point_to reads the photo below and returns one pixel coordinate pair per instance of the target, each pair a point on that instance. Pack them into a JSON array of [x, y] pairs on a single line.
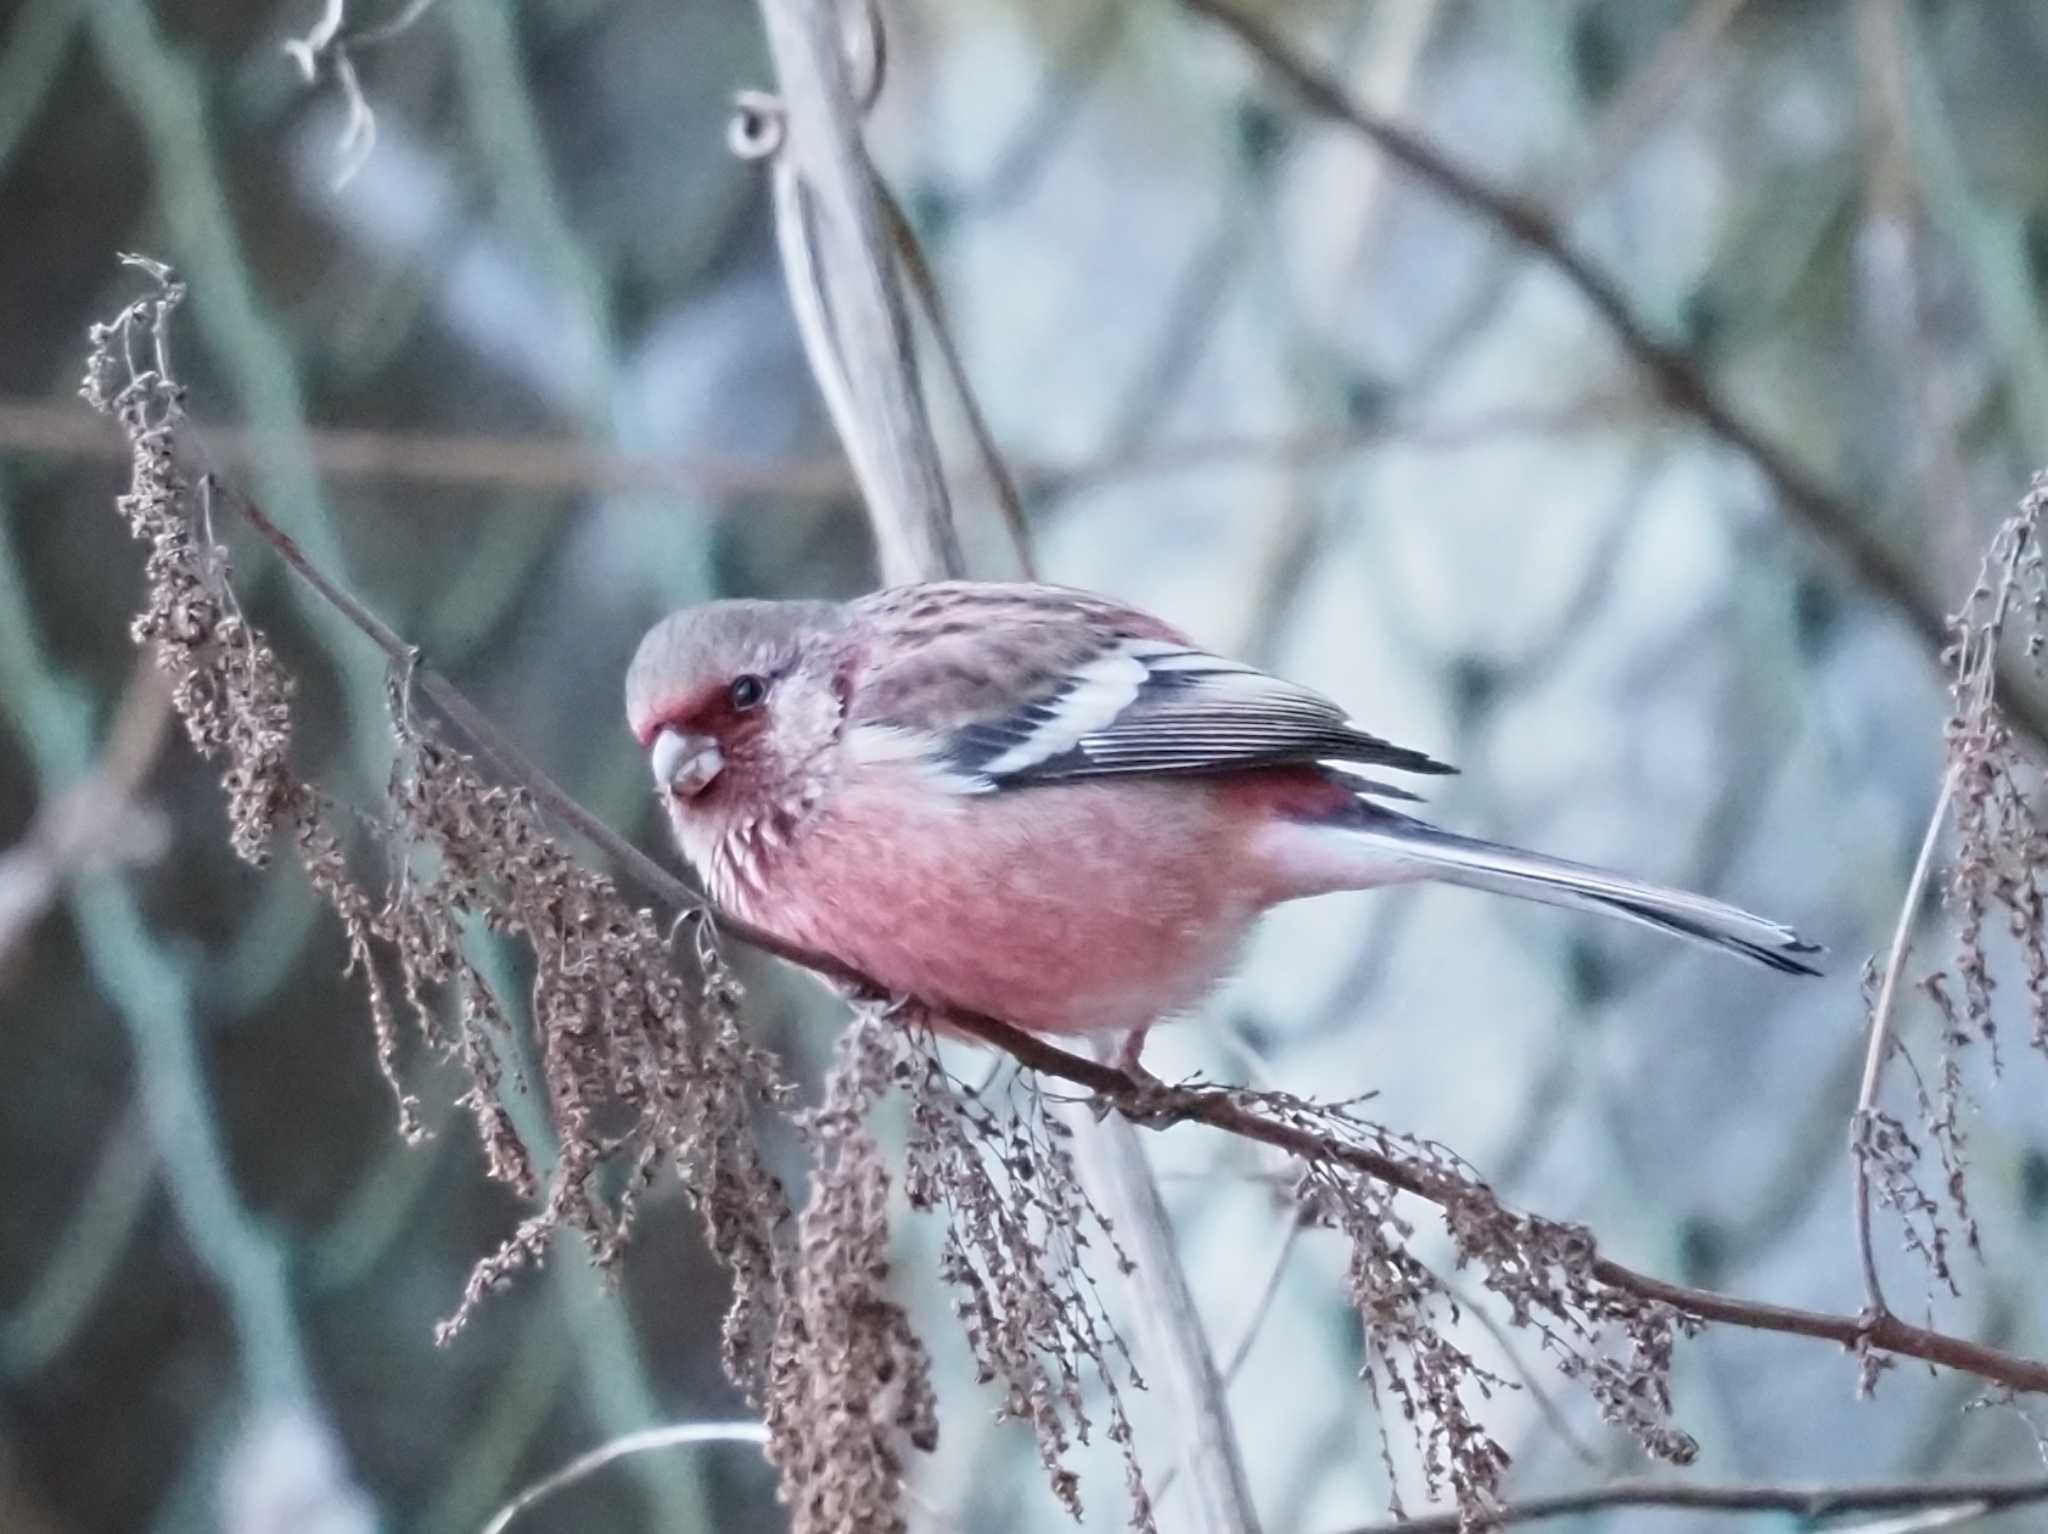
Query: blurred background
[[527, 381]]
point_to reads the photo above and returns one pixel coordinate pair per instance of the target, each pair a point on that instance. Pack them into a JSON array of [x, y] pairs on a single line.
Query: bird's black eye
[[746, 691]]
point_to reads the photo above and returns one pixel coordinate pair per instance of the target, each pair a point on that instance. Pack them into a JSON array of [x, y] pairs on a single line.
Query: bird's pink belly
[[1063, 909]]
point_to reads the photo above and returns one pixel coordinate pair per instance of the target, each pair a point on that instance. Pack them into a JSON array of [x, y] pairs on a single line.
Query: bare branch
[[1861, 1121], [1262, 1307], [471, 720], [1157, 1107]]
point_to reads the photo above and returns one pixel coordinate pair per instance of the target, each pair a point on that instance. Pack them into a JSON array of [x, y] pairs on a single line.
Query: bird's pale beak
[[684, 765]]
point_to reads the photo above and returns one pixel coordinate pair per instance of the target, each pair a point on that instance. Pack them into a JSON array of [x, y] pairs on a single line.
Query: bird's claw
[[1147, 1102]]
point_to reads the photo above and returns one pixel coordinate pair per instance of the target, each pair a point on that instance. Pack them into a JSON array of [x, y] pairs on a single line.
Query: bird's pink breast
[[1063, 908]]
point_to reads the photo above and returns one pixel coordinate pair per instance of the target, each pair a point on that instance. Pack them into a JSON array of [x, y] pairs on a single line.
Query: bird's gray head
[[734, 700]]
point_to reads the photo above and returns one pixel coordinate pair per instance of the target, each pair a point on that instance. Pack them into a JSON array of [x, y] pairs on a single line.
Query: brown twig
[[1801, 1501], [1891, 575], [1159, 1107], [471, 720]]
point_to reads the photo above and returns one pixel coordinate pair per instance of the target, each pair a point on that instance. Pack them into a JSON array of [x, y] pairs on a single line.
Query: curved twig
[[672, 1436]]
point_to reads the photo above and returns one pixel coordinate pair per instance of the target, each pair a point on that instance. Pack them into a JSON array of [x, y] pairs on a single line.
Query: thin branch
[[1267, 1294], [472, 721], [1262, 1307], [1160, 1106], [1146, 1102], [1860, 1122], [759, 130], [1895, 577], [1807, 1502], [1980, 681], [926, 287], [676, 1435]]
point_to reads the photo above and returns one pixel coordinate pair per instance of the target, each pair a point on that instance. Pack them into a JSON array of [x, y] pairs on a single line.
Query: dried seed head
[[1994, 885], [642, 1057], [1020, 1228]]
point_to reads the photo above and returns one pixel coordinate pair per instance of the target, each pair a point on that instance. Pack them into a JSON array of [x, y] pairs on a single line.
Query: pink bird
[[1045, 806]]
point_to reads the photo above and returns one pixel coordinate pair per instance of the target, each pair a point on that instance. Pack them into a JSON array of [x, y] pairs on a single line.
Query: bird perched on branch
[[1045, 806]]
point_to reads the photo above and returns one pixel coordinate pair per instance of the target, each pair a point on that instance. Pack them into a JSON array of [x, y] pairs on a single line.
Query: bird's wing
[[1153, 706], [1005, 686]]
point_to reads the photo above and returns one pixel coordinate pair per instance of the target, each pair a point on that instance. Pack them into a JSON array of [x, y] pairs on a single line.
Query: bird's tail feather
[[1451, 859]]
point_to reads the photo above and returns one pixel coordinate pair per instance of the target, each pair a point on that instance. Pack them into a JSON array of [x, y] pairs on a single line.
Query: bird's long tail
[[1451, 859]]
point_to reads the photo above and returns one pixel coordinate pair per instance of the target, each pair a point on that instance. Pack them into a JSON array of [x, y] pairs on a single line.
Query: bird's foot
[[1146, 1101]]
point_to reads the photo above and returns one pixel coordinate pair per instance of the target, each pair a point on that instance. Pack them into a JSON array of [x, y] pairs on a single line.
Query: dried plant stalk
[[642, 1055], [2002, 853], [1992, 793], [853, 1383], [1020, 1226], [1545, 1273]]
